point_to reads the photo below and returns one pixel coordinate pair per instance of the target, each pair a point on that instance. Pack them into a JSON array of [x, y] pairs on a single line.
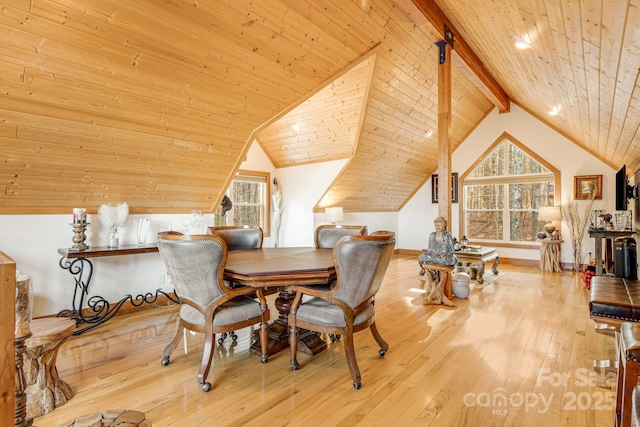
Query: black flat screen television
[[624, 191]]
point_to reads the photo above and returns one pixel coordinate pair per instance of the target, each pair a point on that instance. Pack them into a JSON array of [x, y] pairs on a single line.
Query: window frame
[[466, 180], [263, 178]]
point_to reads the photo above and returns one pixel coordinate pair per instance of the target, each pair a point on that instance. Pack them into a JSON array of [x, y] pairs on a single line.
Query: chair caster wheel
[[295, 366], [220, 341], [165, 361], [263, 359], [357, 386], [382, 352], [234, 337], [205, 386]]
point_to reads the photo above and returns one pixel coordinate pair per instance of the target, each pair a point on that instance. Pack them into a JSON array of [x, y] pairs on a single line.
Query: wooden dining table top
[[280, 266]]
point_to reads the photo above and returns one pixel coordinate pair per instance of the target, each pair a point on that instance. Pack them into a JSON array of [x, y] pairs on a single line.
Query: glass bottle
[[113, 237], [464, 242]]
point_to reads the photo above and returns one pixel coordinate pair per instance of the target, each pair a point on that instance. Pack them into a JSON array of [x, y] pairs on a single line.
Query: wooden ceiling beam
[[492, 89]]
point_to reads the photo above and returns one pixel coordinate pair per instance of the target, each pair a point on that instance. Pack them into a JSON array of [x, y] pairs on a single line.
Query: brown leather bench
[[614, 300]]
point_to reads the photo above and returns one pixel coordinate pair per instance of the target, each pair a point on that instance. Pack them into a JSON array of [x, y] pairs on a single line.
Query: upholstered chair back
[[196, 266], [326, 236], [361, 263], [240, 236]]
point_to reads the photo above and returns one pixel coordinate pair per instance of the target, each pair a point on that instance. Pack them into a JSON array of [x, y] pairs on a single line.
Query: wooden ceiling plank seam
[[63, 112], [133, 164], [154, 68], [285, 21], [573, 30], [153, 19], [626, 80], [629, 127], [591, 14], [613, 27], [96, 82], [153, 122], [67, 130]]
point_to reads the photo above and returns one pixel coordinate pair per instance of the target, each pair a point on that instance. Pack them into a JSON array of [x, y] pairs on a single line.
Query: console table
[[608, 236], [81, 268]]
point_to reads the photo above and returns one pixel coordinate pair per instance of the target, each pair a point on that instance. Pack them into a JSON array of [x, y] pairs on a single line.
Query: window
[[250, 194], [503, 192]]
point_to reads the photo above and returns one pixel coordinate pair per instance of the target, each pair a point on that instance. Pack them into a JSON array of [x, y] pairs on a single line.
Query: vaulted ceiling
[[156, 103]]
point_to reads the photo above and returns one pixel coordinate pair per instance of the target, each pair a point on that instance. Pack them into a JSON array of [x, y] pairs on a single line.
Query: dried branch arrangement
[[577, 223]]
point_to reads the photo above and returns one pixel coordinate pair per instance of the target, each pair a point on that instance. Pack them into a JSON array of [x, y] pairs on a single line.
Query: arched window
[[503, 191]]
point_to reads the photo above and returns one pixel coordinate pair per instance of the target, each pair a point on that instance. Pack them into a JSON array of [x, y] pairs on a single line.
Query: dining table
[[279, 268]]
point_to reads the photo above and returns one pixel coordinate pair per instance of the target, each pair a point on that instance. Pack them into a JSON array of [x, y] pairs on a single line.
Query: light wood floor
[[518, 352]]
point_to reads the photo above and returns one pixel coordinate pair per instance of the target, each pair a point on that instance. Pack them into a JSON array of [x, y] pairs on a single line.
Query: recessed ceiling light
[[554, 111], [428, 133], [296, 128], [521, 42]]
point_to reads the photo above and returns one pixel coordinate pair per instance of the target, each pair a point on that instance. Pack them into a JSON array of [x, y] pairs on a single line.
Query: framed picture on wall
[[454, 188], [586, 187]]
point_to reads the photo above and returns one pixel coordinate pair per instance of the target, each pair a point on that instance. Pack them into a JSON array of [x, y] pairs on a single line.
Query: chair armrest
[[311, 290]]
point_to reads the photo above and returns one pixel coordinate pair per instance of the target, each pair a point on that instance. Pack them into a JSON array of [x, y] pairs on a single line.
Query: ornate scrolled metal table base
[[95, 310]]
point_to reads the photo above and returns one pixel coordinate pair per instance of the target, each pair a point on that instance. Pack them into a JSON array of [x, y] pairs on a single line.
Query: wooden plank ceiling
[[583, 63], [156, 103]]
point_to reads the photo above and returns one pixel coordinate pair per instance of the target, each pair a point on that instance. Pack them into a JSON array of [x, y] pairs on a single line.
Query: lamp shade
[[334, 214], [549, 213]]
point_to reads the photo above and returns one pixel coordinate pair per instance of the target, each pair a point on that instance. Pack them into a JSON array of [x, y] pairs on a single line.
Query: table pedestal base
[[309, 342]]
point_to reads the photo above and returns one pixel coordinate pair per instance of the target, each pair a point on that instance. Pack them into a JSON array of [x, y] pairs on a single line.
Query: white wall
[[538, 137]]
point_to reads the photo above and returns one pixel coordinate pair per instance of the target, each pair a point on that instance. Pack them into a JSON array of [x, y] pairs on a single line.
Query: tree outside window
[[503, 192], [250, 194]]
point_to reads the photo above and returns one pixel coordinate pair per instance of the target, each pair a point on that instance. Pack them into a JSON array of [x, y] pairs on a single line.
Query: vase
[[460, 285], [142, 229], [113, 238]]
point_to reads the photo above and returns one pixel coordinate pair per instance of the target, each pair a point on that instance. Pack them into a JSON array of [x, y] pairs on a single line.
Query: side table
[[550, 255]]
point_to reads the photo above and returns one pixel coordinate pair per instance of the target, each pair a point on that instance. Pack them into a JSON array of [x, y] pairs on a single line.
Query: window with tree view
[[503, 193], [249, 193]]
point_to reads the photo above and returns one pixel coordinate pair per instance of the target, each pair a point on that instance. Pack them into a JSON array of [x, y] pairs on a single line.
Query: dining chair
[[327, 235], [239, 236], [361, 263], [195, 265]]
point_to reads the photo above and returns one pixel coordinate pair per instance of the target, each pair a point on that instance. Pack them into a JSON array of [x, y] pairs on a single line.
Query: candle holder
[[78, 236]]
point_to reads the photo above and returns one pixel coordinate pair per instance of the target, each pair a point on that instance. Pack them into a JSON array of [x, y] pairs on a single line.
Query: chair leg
[[350, 354], [169, 349], [205, 364], [293, 345], [384, 347]]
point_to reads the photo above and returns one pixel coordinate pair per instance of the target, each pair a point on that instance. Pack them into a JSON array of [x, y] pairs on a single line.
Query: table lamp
[[550, 214], [334, 214]]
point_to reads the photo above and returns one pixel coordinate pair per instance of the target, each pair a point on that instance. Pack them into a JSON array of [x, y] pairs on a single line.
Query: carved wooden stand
[[45, 390], [439, 290], [22, 332]]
